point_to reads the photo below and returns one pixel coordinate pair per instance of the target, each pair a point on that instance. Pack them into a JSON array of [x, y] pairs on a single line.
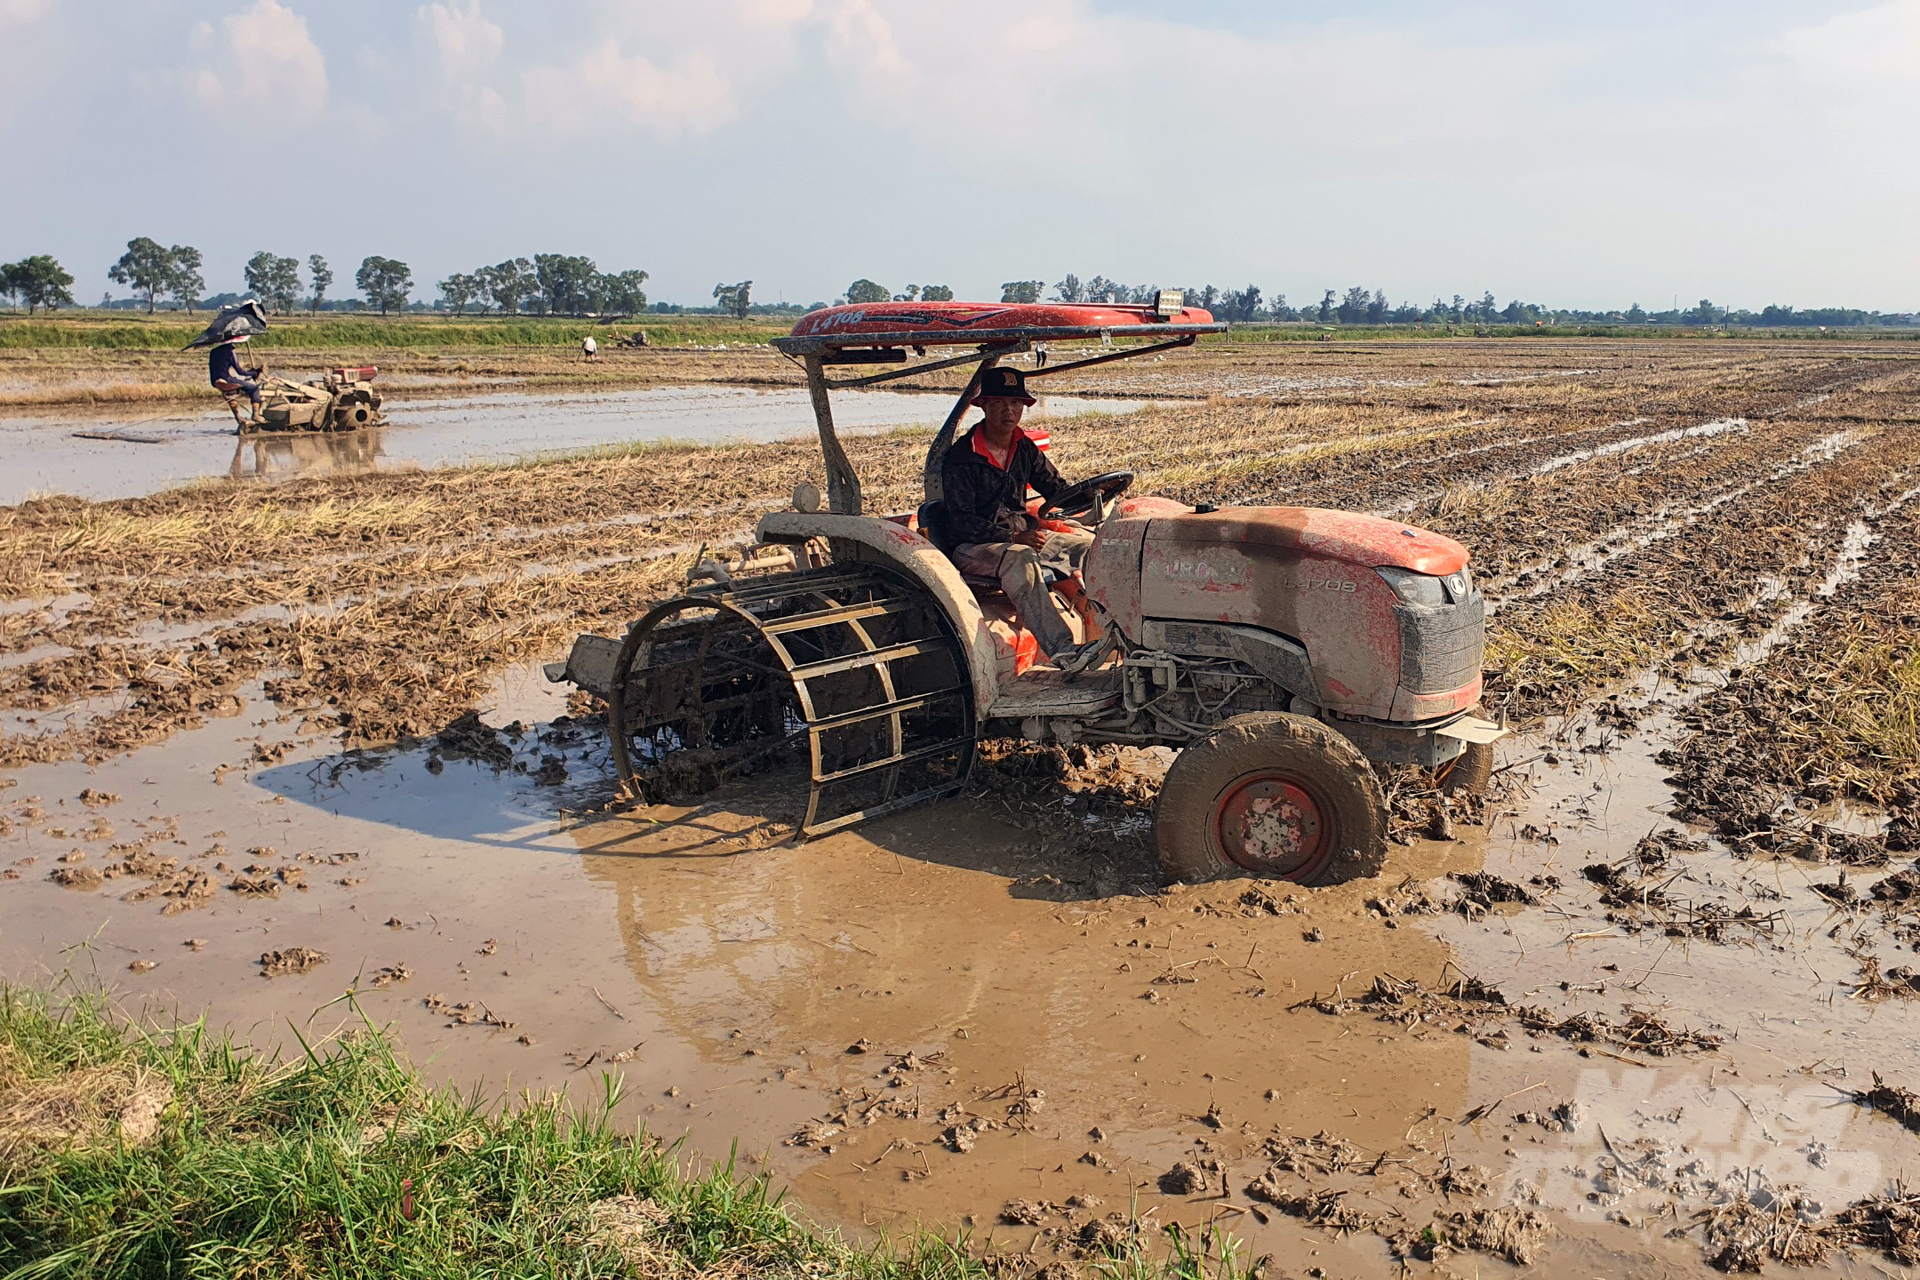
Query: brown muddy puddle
[[161, 450], [935, 1016]]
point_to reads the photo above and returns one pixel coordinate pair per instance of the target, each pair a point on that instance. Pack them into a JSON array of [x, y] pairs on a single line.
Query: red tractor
[[1283, 650]]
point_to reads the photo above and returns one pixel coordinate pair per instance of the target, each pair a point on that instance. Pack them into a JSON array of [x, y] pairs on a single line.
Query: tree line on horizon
[[573, 285]]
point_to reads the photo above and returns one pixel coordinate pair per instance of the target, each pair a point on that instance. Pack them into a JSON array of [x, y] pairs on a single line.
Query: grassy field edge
[[131, 1149]]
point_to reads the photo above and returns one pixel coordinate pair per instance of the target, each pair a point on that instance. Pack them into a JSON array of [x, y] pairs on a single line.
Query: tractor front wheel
[[1273, 794]]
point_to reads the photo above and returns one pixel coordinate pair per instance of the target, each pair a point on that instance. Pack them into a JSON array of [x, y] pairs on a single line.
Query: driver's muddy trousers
[[1023, 573]]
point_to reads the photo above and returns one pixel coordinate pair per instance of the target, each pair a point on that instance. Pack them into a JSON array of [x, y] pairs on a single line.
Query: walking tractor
[[1284, 651]]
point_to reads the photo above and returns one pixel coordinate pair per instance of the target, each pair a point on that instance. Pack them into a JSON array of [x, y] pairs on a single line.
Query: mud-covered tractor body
[[1284, 650], [342, 399]]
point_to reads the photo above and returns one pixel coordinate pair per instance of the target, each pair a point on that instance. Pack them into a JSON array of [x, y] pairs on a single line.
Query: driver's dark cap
[[1001, 383]]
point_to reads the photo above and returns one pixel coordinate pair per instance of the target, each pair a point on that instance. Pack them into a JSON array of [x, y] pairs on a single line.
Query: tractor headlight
[[1415, 588], [1459, 585]]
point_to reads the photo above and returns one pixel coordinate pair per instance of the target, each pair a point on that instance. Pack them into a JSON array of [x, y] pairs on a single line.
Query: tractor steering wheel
[[1078, 499]]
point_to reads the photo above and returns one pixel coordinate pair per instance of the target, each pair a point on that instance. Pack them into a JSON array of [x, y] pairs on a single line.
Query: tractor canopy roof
[[926, 324]]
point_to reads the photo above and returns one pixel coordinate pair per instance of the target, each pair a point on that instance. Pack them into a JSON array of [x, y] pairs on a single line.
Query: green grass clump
[[131, 1152]]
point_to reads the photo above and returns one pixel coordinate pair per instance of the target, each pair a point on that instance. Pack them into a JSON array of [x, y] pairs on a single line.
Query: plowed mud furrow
[[1832, 712], [1537, 525], [1595, 475], [1544, 652]]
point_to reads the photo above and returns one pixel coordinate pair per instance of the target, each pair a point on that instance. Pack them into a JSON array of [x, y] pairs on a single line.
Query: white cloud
[[21, 12], [691, 97], [262, 59], [465, 46], [1874, 49], [778, 13], [465, 43], [859, 36]]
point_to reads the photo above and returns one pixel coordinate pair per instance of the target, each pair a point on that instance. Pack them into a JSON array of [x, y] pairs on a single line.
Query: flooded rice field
[[161, 449], [1649, 1008]]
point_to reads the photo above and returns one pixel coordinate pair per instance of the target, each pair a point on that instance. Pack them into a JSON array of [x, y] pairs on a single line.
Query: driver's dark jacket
[[984, 503]]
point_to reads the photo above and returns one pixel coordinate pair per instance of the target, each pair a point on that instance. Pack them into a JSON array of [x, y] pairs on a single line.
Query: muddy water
[[728, 984], [161, 451]]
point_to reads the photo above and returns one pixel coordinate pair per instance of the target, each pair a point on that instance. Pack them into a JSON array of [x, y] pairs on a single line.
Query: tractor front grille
[[1440, 648]]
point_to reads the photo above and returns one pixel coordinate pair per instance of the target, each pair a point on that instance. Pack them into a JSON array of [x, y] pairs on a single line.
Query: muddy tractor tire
[[1274, 795], [1468, 773], [352, 415]]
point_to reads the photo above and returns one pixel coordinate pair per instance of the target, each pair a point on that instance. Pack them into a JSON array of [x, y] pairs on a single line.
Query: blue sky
[[1581, 155]]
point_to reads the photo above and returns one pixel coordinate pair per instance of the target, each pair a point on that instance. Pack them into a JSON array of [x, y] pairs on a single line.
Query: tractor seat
[[932, 520]]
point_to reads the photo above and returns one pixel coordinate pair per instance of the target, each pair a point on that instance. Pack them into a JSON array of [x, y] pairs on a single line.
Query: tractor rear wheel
[[1273, 794], [351, 416]]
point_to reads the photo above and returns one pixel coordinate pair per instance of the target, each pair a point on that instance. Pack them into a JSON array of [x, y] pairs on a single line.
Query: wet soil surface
[[1594, 1023], [154, 452]]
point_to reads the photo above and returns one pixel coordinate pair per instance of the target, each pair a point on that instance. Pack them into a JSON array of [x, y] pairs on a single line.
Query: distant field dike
[[170, 332]]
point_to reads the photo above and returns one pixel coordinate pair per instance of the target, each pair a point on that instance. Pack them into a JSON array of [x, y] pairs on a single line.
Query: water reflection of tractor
[[342, 399], [261, 455], [1285, 651]]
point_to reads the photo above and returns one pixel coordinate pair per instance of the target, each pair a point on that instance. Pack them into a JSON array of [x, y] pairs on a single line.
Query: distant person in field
[[224, 371], [984, 480], [589, 349]]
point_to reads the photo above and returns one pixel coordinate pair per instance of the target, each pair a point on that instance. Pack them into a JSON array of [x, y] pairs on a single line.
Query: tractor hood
[[1320, 534]]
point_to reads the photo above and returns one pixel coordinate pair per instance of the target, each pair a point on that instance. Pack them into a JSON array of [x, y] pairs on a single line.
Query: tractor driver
[[984, 479], [224, 371]]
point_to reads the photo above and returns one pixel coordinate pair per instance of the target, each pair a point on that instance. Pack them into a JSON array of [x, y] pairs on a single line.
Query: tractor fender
[[896, 545]]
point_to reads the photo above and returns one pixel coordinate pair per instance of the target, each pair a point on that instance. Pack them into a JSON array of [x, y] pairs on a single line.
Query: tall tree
[[322, 277], [1070, 289], [1021, 290], [274, 280], [1243, 305], [864, 290], [184, 284], [146, 266], [39, 282], [1353, 307], [385, 282], [569, 284], [509, 283], [622, 292], [459, 291], [1326, 308], [936, 293], [734, 299]]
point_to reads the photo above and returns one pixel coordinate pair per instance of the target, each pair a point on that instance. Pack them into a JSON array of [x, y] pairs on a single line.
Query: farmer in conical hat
[[230, 378]]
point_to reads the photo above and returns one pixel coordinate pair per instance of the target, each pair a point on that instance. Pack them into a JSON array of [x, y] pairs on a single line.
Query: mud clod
[[1510, 1231], [85, 879], [464, 1013], [1184, 1179], [390, 975], [273, 964]]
